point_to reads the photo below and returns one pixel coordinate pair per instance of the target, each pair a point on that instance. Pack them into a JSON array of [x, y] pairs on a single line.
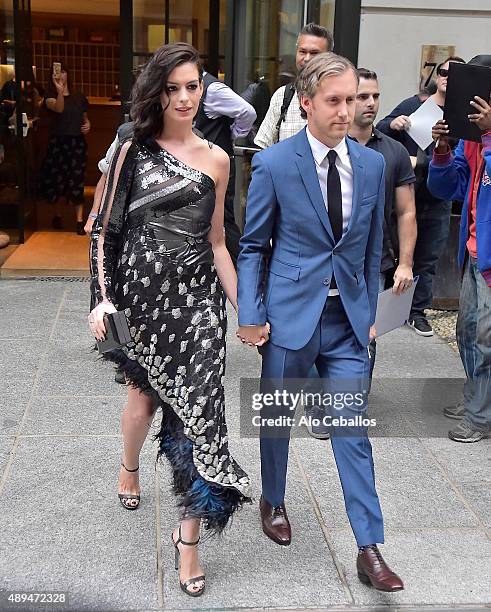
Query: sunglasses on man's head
[[443, 72]]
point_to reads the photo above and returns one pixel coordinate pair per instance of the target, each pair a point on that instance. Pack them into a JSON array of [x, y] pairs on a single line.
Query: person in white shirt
[[312, 40]]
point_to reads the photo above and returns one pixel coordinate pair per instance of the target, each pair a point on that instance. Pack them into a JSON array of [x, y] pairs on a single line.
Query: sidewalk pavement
[[62, 527]]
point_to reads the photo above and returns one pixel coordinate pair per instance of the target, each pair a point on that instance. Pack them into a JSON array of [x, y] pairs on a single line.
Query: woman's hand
[[96, 319], [60, 87], [254, 335], [85, 127], [89, 224]]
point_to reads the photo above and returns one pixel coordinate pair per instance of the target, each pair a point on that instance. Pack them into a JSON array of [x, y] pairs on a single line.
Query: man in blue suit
[[308, 283]]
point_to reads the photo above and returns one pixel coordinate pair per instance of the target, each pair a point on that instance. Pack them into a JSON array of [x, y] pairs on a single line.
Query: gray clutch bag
[[117, 332]]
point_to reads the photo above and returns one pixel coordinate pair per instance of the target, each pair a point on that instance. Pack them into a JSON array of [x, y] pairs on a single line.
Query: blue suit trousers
[[338, 357]]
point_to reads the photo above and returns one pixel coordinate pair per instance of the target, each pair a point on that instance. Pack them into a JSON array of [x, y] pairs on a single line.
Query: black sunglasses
[[443, 72]]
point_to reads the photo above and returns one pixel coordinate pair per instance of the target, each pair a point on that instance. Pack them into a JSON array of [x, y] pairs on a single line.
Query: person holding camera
[[465, 175], [432, 214], [63, 170]]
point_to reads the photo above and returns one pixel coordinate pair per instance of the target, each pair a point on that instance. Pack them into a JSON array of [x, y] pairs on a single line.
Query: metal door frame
[[126, 44], [23, 71]]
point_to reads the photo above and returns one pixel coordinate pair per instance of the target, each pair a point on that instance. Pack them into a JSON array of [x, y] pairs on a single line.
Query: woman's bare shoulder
[[219, 155]]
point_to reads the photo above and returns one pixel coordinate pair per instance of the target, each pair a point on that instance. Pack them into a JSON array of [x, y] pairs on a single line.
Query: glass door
[[265, 36], [18, 99], [24, 117], [148, 24]]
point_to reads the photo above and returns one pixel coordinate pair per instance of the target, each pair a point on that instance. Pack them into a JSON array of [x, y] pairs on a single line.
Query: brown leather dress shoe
[[372, 569], [275, 522]]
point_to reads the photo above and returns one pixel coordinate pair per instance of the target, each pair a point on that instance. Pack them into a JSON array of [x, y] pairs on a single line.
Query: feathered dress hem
[[197, 497]]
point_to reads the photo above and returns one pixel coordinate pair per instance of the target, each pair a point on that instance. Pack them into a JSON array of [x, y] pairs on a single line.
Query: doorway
[[101, 45]]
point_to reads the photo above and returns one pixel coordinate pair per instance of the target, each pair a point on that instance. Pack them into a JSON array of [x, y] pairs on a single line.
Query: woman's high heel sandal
[[128, 500], [192, 581]]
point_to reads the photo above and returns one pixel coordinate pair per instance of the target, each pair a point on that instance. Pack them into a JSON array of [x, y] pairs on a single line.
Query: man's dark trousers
[[433, 220], [337, 355]]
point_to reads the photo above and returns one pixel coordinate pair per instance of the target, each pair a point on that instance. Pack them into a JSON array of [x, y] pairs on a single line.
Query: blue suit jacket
[[288, 252]]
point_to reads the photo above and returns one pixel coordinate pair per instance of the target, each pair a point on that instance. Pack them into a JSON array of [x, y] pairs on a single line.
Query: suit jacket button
[[326, 281]]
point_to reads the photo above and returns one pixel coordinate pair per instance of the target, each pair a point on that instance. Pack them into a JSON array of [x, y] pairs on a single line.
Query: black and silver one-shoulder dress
[[151, 258]]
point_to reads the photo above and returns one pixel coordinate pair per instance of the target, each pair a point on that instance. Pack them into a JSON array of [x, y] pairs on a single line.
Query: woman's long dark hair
[[146, 108]]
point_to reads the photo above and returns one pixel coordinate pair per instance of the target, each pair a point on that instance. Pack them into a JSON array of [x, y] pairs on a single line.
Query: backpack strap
[[287, 98], [125, 131]]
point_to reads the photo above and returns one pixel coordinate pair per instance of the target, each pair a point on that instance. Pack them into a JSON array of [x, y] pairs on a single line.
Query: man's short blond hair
[[318, 68]]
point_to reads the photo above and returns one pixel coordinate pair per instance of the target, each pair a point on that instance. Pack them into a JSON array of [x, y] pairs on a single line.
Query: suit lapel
[[358, 179], [306, 166]]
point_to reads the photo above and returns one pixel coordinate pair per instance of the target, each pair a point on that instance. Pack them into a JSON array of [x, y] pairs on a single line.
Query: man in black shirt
[[400, 210], [432, 214]]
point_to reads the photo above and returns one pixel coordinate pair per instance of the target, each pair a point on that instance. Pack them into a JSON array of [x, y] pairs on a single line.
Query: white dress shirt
[[343, 164]]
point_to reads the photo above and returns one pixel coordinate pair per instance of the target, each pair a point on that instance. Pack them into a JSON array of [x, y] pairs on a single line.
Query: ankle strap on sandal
[[181, 541], [135, 470]]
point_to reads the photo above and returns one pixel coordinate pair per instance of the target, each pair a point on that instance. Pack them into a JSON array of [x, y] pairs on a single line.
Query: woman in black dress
[[63, 170], [158, 254]]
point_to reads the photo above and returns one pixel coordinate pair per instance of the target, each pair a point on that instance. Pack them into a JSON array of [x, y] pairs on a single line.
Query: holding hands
[[96, 319], [253, 335]]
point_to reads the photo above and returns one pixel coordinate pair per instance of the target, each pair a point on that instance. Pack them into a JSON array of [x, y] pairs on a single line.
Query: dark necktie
[[334, 198]]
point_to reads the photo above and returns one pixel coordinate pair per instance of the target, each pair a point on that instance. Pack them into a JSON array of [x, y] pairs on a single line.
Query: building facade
[[102, 43]]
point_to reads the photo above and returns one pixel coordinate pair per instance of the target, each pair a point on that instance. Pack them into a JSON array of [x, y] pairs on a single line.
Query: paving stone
[[12, 407], [77, 297], [32, 307], [66, 531], [462, 462], [6, 444], [412, 406], [74, 415], [244, 568], [72, 327], [412, 492], [63, 528], [478, 494], [438, 567], [20, 360], [77, 370], [404, 354]]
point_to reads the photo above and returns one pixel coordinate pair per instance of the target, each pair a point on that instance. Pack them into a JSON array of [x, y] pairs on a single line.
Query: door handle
[[26, 124]]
